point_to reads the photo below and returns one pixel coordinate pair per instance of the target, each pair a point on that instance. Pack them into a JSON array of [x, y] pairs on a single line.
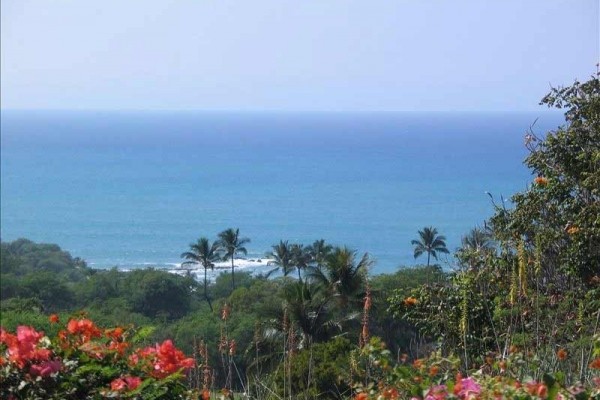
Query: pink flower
[[45, 369], [125, 383], [467, 389], [118, 385], [22, 347]]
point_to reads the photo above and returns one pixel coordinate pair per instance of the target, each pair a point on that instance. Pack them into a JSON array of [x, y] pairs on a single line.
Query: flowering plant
[[439, 378], [85, 362]]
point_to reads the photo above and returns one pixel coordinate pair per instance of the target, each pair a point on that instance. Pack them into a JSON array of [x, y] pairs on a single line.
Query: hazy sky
[[294, 55]]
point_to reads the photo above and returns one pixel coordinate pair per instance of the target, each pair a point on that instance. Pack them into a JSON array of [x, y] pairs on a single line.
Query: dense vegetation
[[520, 314]]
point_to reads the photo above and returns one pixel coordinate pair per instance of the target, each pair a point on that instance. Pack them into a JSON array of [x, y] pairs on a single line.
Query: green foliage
[[159, 294], [221, 288], [559, 216], [531, 279], [320, 372], [23, 256]]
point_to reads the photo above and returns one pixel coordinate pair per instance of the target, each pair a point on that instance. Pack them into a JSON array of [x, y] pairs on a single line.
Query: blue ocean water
[[131, 189]]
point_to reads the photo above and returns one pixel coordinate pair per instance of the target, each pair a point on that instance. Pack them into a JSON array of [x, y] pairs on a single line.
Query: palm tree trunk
[[299, 277], [232, 275], [206, 292], [428, 257]]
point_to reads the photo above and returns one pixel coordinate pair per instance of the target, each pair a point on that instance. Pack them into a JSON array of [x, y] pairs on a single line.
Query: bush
[[84, 362]]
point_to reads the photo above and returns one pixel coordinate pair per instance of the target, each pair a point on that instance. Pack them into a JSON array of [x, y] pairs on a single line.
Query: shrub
[[83, 362]]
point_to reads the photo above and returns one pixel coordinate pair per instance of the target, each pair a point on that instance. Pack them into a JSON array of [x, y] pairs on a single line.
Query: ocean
[[134, 189]]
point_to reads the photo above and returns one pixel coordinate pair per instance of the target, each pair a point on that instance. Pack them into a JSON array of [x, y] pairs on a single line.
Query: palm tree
[[429, 242], [478, 239], [282, 257], [301, 258], [343, 277], [319, 251], [206, 254], [308, 308], [475, 246], [232, 244]]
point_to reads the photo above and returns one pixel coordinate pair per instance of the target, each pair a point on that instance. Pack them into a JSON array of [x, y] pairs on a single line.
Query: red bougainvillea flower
[[53, 318], [23, 347], [114, 334], [162, 360], [7, 338], [85, 328], [117, 343], [125, 383], [45, 368]]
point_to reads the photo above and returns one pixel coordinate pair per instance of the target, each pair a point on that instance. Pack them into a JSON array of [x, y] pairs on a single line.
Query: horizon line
[[277, 111]]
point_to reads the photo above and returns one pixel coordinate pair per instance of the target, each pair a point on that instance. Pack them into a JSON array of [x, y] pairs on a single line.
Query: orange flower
[[502, 365], [205, 394], [410, 301], [537, 389], [540, 180], [361, 396], [390, 393], [84, 328], [434, 370], [115, 333], [561, 354], [573, 230], [53, 318], [595, 364]]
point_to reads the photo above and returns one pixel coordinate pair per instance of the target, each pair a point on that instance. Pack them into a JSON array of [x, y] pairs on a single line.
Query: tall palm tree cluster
[[331, 281], [204, 253], [329, 290]]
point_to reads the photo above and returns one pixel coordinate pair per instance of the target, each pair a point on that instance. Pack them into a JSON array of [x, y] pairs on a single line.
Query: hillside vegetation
[[518, 318]]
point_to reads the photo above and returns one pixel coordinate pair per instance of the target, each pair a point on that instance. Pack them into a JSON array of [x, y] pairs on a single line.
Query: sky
[[280, 55]]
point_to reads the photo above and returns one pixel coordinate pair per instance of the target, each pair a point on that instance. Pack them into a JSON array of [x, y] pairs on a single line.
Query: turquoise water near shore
[[133, 189]]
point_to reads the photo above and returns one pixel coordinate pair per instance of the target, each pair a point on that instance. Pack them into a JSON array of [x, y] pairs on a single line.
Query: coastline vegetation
[[519, 318]]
